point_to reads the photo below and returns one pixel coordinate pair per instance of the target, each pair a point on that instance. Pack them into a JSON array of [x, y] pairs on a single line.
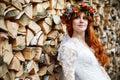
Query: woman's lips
[[81, 25]]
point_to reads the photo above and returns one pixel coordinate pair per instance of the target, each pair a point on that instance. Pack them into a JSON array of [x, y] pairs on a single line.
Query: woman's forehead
[[81, 14]]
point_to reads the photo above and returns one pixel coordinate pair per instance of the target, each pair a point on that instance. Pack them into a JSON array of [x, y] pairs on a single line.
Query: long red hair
[[91, 40]]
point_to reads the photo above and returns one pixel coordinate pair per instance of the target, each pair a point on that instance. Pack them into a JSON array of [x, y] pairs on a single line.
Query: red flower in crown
[[75, 9], [91, 10]]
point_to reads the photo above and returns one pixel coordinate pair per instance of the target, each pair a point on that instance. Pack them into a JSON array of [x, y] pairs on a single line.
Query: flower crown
[[76, 8]]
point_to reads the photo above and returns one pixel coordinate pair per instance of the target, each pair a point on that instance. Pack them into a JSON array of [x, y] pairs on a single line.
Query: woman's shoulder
[[71, 43], [68, 48]]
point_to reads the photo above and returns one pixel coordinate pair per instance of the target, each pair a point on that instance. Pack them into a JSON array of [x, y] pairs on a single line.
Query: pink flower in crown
[[75, 9], [83, 4], [91, 10]]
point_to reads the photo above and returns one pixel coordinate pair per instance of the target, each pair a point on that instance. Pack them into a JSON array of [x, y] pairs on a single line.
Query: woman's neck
[[80, 36]]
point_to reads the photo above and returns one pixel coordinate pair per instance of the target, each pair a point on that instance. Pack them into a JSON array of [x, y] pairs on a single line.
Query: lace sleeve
[[67, 58]]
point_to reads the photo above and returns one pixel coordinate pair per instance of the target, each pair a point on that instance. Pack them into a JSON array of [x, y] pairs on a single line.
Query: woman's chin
[[82, 28]]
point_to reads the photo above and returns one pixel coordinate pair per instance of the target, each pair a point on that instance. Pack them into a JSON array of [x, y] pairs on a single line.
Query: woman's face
[[80, 23]]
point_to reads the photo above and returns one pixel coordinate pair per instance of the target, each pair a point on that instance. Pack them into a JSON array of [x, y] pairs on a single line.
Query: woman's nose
[[81, 19]]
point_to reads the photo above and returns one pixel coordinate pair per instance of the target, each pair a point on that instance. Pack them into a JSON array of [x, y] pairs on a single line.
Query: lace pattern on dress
[[67, 58]]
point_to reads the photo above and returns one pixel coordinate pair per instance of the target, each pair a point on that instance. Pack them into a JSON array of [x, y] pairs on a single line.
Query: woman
[[82, 56]]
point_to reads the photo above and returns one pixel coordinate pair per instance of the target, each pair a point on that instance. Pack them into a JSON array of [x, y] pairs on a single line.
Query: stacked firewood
[[31, 31], [108, 30]]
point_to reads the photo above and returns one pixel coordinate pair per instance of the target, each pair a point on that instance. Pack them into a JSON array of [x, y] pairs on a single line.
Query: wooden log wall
[[108, 30], [31, 31]]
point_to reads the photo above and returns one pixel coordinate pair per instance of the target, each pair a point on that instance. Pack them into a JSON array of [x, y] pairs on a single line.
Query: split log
[[7, 57], [22, 77], [23, 19], [11, 12], [35, 38], [1, 48], [31, 67], [95, 1], [2, 8], [12, 74], [51, 68], [19, 43], [52, 77], [36, 1], [27, 1], [3, 39], [22, 30], [7, 1], [59, 12], [57, 76], [20, 15], [97, 20], [2, 24], [29, 53], [53, 34], [100, 9], [51, 12], [15, 64], [56, 19], [107, 9], [20, 72], [42, 71], [46, 77], [17, 4], [48, 20], [38, 53], [34, 27], [33, 77], [22, 1], [7, 76], [59, 27], [7, 54], [28, 10], [41, 40], [60, 4], [45, 5], [42, 58], [54, 43], [60, 37], [12, 28], [48, 49], [53, 4], [47, 58], [19, 55], [29, 36], [45, 27], [39, 12], [3, 69], [34, 70]]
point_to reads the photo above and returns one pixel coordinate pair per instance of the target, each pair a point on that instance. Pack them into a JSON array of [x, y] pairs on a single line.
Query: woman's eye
[[84, 17], [77, 17]]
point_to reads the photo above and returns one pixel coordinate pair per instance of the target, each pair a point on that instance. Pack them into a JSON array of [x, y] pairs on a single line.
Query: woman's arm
[[67, 59]]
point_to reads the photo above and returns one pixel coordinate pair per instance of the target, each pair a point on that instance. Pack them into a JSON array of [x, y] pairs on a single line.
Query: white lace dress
[[79, 63]]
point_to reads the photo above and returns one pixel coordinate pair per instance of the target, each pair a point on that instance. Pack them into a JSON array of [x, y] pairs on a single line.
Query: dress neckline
[[80, 41], [85, 45]]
